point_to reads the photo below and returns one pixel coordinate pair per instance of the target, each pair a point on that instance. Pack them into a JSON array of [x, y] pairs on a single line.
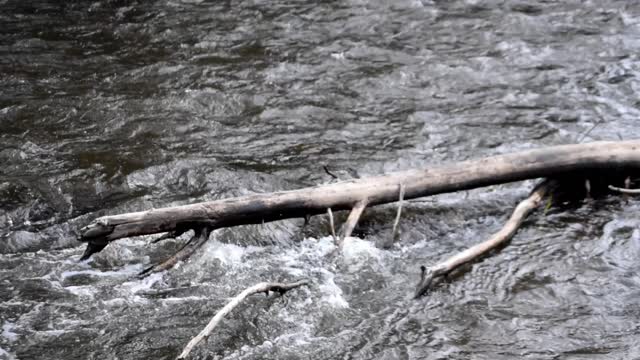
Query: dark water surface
[[116, 106]]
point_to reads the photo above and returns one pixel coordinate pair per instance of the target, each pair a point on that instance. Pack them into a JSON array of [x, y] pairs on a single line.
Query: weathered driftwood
[[624, 191], [351, 222], [386, 243], [349, 195], [524, 208], [258, 288], [332, 226]]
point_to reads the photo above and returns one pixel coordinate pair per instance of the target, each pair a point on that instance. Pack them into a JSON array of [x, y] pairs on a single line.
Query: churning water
[[111, 106]]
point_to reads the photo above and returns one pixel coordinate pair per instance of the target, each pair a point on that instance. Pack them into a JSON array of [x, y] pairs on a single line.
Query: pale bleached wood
[[624, 191], [352, 221], [524, 208], [255, 209], [331, 223], [387, 243], [255, 289]]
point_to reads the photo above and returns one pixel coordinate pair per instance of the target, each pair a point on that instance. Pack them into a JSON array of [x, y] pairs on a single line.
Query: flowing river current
[[113, 106]]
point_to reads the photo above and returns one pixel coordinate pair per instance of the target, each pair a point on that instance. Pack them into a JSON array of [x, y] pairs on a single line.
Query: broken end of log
[[95, 235], [99, 228], [92, 248]]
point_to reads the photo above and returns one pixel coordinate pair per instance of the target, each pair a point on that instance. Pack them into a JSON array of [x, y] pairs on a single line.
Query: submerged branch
[[524, 208], [258, 288], [197, 240]]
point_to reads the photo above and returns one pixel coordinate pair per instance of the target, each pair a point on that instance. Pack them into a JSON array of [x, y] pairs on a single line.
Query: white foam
[[292, 339], [411, 248], [7, 332], [8, 355], [126, 271], [296, 260], [229, 254], [133, 287], [117, 302], [82, 291], [174, 300], [331, 293], [357, 251], [144, 284]]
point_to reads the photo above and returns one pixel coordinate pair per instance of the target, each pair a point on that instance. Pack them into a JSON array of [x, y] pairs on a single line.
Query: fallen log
[[355, 194]]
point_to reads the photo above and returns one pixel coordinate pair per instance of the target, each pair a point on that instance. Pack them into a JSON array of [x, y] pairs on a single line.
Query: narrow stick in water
[[255, 289], [524, 208]]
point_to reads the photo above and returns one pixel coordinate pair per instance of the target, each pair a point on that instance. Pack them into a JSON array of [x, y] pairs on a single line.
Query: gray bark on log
[[259, 208]]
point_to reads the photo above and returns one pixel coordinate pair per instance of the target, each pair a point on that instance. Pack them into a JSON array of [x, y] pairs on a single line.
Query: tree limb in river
[[524, 208], [625, 191], [200, 236], [258, 288], [589, 158]]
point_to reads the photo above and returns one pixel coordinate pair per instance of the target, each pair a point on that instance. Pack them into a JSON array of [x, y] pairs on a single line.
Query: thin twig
[[333, 229], [326, 169], [624, 191], [387, 243], [395, 223], [598, 123], [258, 288], [351, 222], [509, 229]]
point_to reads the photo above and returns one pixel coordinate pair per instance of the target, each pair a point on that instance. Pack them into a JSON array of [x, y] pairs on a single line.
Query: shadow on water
[[116, 106]]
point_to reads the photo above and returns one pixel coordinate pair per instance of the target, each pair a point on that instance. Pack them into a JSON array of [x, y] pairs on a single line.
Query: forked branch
[[524, 208]]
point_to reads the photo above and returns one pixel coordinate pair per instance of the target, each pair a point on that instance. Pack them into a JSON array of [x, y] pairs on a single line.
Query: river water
[[111, 106]]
